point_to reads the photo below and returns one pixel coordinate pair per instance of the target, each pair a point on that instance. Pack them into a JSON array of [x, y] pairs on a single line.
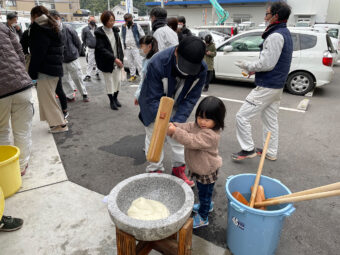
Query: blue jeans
[[204, 194]]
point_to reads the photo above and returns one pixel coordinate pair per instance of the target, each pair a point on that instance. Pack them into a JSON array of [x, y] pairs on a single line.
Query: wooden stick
[[160, 128], [259, 172], [325, 188], [299, 198]]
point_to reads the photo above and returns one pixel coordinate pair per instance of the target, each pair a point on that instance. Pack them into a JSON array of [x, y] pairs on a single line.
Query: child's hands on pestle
[[171, 129]]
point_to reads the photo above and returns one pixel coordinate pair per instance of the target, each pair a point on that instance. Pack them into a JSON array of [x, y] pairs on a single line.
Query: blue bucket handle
[[291, 210], [238, 208]]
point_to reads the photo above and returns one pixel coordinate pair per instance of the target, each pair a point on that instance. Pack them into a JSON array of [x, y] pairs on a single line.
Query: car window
[[295, 40], [247, 43], [250, 42], [307, 41], [330, 44], [333, 32]]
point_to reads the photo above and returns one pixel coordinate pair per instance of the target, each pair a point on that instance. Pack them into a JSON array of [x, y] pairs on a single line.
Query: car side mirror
[[227, 48]]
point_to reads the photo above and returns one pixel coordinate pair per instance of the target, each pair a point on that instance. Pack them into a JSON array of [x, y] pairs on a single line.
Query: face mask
[[141, 52], [129, 23], [92, 23], [14, 24], [59, 22], [180, 26]]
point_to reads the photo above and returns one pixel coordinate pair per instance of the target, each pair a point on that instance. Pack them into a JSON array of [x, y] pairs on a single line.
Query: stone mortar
[[173, 192]]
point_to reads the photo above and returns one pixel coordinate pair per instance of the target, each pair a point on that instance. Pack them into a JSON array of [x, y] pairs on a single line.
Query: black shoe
[[112, 102], [243, 155], [87, 78], [98, 77], [86, 99], [8, 224], [205, 89], [115, 99]]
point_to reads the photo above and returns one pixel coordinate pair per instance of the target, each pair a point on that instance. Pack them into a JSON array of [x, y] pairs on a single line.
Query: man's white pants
[[267, 102], [135, 60], [91, 63], [113, 80], [73, 73], [177, 156], [17, 109]]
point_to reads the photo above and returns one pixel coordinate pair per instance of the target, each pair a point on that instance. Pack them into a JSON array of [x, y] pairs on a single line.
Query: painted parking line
[[241, 102]]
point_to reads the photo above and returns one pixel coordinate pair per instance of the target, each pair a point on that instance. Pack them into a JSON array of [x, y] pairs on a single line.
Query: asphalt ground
[[104, 147]]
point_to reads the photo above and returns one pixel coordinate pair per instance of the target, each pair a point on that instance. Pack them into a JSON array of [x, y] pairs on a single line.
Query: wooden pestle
[[160, 128]]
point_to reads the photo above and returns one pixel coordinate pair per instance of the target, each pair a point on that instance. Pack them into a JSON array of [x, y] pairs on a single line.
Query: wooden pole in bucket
[[259, 172], [329, 187], [299, 198]]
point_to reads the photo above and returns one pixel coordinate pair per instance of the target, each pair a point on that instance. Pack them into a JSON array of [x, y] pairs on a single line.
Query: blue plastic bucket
[[251, 231]]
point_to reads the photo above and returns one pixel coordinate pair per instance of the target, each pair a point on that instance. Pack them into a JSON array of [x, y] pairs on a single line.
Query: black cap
[[12, 15], [190, 51]]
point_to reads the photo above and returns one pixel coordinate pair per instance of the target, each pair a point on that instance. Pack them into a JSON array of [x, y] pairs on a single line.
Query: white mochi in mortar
[[147, 209]]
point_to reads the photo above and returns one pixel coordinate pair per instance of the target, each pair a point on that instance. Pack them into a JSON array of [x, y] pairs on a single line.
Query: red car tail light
[[327, 61]]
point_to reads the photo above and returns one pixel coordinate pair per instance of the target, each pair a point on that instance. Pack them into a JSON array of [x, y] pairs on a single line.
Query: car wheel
[[300, 83]]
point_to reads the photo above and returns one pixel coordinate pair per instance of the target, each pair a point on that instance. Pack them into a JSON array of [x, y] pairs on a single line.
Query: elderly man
[[71, 64], [271, 71], [131, 34], [89, 40]]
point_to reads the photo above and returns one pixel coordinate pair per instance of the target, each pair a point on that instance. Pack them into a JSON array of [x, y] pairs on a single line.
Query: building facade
[[67, 8], [201, 12]]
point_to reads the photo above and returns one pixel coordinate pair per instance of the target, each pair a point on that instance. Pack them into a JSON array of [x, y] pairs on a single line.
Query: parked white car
[[333, 31], [218, 37], [311, 64]]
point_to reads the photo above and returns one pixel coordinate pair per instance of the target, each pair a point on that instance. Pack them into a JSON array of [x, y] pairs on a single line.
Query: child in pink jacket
[[200, 140]]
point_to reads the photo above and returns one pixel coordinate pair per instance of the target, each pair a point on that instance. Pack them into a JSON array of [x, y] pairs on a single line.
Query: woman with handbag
[[45, 66], [109, 56]]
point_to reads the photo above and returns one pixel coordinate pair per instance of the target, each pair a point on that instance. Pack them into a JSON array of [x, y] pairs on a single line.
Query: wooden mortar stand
[[176, 244]]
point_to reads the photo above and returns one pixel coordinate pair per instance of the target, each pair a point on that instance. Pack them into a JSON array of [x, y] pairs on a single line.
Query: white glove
[[240, 64]]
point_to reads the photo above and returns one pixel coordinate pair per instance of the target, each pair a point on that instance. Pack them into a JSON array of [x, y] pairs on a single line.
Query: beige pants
[[113, 80], [264, 101], [17, 110], [48, 106]]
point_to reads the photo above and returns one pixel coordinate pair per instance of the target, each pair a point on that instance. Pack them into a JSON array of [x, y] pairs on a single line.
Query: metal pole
[[108, 5], [162, 3]]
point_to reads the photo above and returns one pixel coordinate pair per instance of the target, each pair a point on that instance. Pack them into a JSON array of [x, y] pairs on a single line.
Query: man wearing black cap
[[178, 72], [12, 24]]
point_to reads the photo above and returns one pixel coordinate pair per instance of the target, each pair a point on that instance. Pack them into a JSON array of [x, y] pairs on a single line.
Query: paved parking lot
[[103, 147]]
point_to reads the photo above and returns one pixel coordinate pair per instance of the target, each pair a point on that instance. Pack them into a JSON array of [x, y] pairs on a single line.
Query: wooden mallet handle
[[160, 128], [259, 172], [329, 187], [299, 198]]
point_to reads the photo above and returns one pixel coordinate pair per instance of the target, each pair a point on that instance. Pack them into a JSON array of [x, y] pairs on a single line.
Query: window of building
[[239, 18], [53, 6], [70, 6], [11, 3]]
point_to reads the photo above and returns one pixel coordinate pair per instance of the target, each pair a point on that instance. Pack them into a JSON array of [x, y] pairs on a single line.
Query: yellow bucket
[[10, 176], [2, 203]]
